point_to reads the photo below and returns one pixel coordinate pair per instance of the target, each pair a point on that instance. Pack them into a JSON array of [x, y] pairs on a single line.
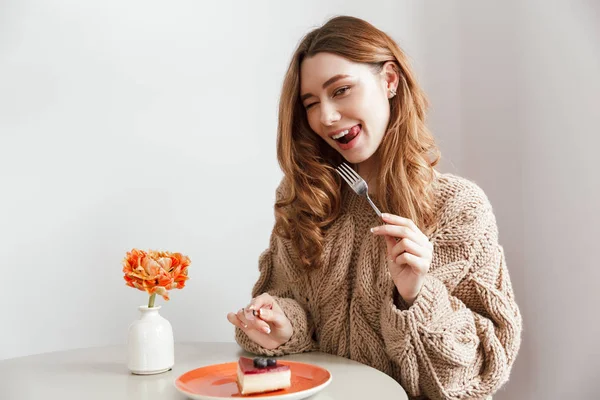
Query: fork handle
[[374, 206], [378, 212]]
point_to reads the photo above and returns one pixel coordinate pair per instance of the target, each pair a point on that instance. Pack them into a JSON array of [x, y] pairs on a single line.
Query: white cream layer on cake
[[253, 377]]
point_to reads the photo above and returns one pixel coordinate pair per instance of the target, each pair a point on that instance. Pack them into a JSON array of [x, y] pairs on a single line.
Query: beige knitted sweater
[[457, 341]]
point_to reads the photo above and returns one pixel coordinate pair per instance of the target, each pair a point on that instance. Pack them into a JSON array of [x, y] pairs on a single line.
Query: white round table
[[101, 373]]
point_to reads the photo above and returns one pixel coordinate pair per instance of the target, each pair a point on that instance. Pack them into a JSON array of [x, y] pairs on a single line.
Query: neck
[[368, 171]]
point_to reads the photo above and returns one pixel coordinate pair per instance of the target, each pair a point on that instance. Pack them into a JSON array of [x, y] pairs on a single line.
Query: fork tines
[[347, 173]]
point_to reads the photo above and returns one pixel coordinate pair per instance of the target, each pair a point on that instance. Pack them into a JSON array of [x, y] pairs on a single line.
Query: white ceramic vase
[[150, 345]]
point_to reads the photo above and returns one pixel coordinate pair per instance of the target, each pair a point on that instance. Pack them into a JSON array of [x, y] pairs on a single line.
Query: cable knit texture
[[460, 337]]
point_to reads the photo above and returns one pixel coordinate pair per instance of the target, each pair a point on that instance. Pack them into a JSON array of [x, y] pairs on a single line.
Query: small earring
[[392, 92]]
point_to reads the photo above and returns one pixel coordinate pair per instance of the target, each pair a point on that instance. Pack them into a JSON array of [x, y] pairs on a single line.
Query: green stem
[[151, 301]]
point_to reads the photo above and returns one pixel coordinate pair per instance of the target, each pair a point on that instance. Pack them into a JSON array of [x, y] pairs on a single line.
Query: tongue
[[351, 135]]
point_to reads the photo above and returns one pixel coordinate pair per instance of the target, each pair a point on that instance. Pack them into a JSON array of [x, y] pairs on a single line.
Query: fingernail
[[263, 312], [374, 229], [251, 307], [384, 215], [267, 330]]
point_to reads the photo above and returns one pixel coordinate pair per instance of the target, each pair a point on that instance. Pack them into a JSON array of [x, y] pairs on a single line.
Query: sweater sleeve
[[278, 271], [460, 337]]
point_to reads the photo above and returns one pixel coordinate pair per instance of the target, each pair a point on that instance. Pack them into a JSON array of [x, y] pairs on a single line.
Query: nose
[[329, 115]]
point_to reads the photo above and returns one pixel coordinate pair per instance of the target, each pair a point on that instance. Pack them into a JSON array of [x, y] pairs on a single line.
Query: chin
[[353, 158], [356, 157]]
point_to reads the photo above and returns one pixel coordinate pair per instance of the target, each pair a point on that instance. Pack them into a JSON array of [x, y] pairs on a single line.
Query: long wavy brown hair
[[312, 197]]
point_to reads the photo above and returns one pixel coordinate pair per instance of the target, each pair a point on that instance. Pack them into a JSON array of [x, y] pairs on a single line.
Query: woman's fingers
[[266, 308], [407, 245], [262, 301], [273, 316], [262, 314], [396, 231], [252, 322], [417, 264], [396, 220], [401, 221], [241, 315], [232, 317], [411, 239]]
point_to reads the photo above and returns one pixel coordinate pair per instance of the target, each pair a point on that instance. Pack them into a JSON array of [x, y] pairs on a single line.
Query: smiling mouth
[[348, 135]]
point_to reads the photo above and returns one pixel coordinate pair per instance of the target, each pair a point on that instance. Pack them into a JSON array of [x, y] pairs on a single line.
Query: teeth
[[341, 134]]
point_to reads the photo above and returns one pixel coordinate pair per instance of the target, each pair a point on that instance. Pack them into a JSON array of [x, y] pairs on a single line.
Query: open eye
[[341, 91]]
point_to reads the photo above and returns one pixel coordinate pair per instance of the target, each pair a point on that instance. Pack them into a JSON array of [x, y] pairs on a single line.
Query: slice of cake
[[262, 375]]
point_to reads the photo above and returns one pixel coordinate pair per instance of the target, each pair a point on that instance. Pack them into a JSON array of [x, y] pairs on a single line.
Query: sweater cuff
[[432, 303], [301, 340]]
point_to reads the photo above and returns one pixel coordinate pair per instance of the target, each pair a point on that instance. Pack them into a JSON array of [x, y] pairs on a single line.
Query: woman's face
[[346, 103]]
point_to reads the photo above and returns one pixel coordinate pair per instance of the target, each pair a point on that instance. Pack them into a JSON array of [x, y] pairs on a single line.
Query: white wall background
[[152, 125], [140, 124]]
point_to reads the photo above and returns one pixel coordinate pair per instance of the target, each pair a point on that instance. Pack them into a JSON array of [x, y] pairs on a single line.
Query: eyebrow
[[328, 82]]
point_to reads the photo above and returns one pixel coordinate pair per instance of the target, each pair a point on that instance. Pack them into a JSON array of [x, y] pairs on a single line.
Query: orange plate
[[218, 381]]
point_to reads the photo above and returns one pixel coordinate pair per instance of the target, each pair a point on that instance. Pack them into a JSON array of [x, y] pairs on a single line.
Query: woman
[[425, 295]]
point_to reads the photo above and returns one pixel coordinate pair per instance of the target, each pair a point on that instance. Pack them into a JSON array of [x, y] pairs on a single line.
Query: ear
[[390, 78]]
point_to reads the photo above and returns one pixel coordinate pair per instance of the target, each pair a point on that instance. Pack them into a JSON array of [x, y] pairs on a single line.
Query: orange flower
[[155, 272]]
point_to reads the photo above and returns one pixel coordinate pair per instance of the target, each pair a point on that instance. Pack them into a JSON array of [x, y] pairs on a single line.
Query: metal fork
[[357, 183]]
